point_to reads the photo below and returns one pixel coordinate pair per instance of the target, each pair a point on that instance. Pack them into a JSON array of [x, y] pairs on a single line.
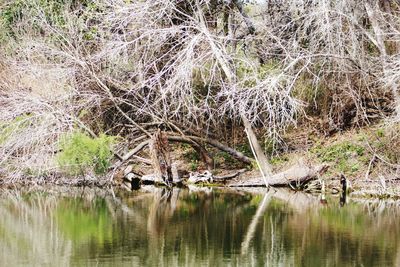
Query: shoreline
[[365, 190]]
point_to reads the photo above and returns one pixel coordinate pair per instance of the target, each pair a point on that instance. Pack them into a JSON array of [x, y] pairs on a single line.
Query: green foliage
[[279, 160], [194, 165], [347, 157], [380, 132], [314, 95], [52, 10], [8, 17], [191, 155], [245, 149], [34, 172], [271, 145], [252, 166], [79, 152], [22, 17], [223, 158]]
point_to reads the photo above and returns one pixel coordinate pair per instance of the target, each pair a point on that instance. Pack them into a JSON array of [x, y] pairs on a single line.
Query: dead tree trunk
[[296, 176], [261, 159], [258, 152], [160, 157]]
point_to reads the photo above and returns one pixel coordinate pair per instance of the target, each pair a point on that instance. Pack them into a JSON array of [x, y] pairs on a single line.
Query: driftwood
[[297, 175], [234, 153], [136, 181], [152, 179], [205, 177], [229, 176], [131, 153], [192, 140], [142, 160], [175, 174]]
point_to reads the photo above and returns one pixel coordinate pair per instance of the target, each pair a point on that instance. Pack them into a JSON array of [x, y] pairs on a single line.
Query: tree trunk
[[234, 153], [160, 157], [295, 176], [258, 152], [261, 159]]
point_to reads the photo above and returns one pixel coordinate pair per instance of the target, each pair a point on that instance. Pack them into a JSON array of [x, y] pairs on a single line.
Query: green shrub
[[279, 160], [80, 153], [9, 15], [245, 72]]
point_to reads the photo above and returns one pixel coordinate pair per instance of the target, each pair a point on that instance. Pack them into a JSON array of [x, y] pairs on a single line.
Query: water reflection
[[29, 235], [207, 227]]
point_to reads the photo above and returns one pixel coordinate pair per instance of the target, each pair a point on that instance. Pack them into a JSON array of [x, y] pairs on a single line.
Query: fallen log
[[131, 153], [296, 176], [148, 179], [205, 177], [142, 160], [224, 178], [192, 140], [234, 153]]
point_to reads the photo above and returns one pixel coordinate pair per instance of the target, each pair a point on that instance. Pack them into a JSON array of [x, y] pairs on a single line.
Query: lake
[[195, 227]]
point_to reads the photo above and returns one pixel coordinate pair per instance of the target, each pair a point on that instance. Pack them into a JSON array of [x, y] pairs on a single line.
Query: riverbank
[[367, 158]]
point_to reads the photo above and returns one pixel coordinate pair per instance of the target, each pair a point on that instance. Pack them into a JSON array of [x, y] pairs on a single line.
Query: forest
[[264, 92]]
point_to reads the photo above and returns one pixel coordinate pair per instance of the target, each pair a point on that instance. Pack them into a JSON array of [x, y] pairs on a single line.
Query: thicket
[[197, 68]]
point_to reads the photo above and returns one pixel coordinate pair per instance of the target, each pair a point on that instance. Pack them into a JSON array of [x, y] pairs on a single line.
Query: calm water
[[185, 228]]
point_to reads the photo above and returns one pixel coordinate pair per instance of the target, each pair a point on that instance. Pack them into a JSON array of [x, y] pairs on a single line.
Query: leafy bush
[[80, 153]]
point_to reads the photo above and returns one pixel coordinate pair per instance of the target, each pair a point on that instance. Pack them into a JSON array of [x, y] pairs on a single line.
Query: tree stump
[[160, 157]]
